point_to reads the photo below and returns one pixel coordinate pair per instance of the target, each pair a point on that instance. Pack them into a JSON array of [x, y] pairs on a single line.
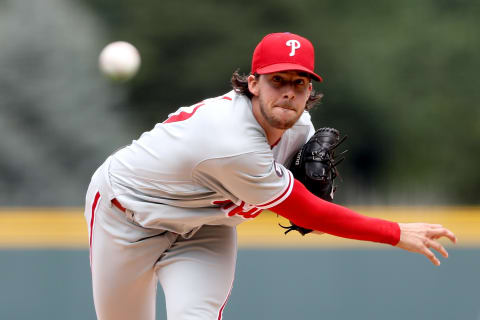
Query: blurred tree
[[400, 78], [59, 118]]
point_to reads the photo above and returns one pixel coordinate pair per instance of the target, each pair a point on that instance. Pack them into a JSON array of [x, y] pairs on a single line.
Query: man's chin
[[282, 124], [280, 118]]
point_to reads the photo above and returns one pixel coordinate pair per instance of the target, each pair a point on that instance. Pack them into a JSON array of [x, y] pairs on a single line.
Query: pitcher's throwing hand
[[421, 237]]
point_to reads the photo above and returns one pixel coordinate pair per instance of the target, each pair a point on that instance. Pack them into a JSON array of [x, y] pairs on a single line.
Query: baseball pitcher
[[164, 209]]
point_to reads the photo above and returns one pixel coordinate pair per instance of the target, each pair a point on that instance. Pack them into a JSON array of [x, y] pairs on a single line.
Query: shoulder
[[230, 119], [208, 107], [224, 109], [224, 126], [239, 106]]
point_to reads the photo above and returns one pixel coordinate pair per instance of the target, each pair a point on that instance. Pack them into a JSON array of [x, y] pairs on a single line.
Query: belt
[[118, 205]]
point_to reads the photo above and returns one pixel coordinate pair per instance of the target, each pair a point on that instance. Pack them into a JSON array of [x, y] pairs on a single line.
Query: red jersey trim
[[276, 142], [282, 196], [183, 115], [220, 312], [96, 200]]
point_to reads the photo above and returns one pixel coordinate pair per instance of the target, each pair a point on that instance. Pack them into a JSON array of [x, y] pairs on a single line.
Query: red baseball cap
[[282, 52]]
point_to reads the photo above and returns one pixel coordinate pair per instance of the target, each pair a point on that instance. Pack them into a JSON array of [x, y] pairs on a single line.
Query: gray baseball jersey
[[175, 176], [184, 185]]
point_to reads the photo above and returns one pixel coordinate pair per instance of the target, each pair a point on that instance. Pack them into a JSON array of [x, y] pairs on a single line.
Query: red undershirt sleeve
[[307, 210]]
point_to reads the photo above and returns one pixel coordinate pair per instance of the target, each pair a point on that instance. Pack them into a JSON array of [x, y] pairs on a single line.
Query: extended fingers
[[439, 232], [430, 242], [437, 246], [429, 254], [421, 238]]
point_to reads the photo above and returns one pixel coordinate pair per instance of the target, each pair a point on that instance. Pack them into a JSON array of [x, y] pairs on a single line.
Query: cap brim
[[279, 67]]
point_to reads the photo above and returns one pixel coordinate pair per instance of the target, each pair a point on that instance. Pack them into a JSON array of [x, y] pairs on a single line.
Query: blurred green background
[[400, 80]]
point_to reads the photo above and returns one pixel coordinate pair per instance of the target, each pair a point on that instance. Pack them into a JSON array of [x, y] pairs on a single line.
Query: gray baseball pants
[[127, 261]]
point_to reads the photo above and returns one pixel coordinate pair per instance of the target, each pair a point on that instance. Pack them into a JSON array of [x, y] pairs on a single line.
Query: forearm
[[306, 210]]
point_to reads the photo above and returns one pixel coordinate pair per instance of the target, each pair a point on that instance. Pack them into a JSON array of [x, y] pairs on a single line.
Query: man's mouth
[[285, 106]]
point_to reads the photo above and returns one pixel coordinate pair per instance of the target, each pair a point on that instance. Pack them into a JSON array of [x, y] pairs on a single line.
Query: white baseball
[[119, 60]]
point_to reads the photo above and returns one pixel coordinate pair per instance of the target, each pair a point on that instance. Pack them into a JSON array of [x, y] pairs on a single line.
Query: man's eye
[[299, 82], [277, 79]]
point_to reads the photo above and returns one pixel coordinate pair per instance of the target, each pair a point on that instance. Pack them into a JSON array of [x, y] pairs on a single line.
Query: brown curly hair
[[240, 85]]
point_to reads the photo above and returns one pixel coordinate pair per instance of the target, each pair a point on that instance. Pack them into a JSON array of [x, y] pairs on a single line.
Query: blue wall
[[270, 284]]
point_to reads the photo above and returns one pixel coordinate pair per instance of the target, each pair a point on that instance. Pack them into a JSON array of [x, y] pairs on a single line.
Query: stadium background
[[400, 80]]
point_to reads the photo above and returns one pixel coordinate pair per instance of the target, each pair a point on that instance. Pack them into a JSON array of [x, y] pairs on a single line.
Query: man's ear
[[253, 84]]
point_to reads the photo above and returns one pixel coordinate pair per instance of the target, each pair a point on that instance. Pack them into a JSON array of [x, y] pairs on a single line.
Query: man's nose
[[289, 92]]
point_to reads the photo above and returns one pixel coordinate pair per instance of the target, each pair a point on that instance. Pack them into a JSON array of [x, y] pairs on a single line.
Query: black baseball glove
[[315, 165]]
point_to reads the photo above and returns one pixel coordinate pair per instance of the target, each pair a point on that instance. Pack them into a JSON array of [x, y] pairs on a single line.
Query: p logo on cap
[[283, 52], [294, 44]]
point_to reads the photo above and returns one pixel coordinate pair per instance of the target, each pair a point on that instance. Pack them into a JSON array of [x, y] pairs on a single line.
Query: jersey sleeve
[[254, 178], [309, 211]]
